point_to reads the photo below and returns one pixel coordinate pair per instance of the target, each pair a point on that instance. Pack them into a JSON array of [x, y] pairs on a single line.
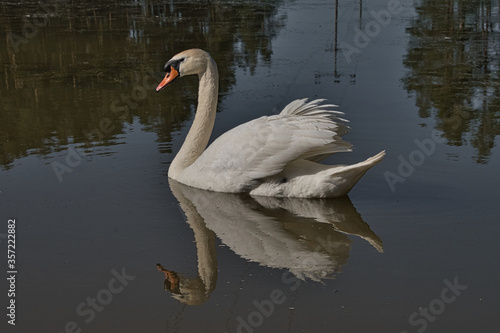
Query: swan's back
[[266, 151]]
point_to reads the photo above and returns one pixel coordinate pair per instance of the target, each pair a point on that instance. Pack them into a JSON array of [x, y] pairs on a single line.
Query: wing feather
[[264, 146]]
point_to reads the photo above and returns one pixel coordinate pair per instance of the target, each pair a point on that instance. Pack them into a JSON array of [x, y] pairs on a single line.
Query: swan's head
[[193, 61]]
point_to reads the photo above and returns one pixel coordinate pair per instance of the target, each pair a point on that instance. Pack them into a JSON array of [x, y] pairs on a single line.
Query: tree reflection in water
[[87, 57], [453, 58]]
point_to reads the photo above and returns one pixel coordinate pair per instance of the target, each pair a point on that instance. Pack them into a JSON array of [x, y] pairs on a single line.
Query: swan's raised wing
[[263, 147]]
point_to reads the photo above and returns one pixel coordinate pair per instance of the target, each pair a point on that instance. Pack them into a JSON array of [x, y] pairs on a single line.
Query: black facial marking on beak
[[172, 68], [174, 64]]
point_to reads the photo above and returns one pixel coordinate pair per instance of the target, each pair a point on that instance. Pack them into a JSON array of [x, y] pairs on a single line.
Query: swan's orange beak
[[171, 75]]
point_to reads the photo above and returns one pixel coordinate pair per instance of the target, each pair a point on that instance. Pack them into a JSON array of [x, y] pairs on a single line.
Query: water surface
[[85, 146]]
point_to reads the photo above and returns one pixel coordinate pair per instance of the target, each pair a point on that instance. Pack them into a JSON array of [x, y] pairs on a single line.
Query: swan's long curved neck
[[197, 139]]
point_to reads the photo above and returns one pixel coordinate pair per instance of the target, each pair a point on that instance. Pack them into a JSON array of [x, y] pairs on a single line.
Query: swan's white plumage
[[264, 148], [272, 155]]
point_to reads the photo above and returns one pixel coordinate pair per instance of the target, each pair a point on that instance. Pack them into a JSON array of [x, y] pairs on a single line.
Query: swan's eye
[[173, 72], [175, 64]]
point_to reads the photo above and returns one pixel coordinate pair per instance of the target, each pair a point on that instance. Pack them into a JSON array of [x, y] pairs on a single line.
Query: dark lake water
[[86, 143]]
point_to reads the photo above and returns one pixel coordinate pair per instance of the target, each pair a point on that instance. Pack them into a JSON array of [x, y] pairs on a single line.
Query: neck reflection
[[307, 237]]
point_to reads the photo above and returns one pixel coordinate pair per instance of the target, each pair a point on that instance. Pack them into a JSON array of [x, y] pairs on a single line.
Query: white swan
[[269, 156]]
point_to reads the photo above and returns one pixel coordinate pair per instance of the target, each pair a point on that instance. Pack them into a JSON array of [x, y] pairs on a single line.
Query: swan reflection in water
[[307, 237]]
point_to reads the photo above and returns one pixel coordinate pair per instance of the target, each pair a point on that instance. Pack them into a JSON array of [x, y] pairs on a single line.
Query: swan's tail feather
[[374, 159], [345, 177], [308, 179]]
